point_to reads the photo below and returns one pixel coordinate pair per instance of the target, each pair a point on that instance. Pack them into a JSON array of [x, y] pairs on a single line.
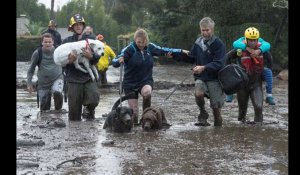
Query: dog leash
[[120, 88], [175, 89], [87, 44]]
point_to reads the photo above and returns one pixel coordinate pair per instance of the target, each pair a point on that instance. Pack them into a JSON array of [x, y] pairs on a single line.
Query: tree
[[35, 28], [34, 11]]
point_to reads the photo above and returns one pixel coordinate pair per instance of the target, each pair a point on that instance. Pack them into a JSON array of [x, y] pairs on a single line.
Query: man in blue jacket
[[208, 54]]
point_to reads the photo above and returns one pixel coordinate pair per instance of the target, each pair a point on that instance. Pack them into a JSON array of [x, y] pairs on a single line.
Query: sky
[[57, 3]]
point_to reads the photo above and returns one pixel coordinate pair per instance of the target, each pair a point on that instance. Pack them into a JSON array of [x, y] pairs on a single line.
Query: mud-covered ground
[[83, 147]]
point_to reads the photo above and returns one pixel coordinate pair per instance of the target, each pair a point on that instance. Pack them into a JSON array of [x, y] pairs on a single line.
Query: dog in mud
[[153, 118], [120, 119], [61, 55]]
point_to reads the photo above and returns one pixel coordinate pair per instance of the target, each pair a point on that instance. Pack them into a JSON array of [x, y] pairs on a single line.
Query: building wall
[[21, 26], [64, 32]]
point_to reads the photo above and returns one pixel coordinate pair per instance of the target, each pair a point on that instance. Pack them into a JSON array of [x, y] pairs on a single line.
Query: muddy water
[[182, 149]]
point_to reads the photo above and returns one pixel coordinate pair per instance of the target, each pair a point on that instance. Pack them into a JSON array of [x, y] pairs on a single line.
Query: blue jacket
[[138, 66], [239, 44], [210, 53]]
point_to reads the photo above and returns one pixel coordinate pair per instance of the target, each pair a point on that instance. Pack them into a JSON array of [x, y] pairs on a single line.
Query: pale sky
[[57, 3]]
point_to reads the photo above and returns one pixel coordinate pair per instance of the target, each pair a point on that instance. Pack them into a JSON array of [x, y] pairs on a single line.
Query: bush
[[26, 46]]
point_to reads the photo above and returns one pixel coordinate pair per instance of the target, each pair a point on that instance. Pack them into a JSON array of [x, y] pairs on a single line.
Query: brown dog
[[153, 118]]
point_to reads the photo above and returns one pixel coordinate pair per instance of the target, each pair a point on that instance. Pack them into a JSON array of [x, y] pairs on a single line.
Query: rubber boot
[[45, 102], [243, 98], [202, 119], [242, 115], [135, 118], [146, 102], [58, 100], [203, 116], [217, 117], [88, 114], [92, 115], [104, 78]]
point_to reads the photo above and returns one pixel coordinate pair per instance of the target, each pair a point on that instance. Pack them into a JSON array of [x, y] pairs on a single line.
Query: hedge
[[26, 46]]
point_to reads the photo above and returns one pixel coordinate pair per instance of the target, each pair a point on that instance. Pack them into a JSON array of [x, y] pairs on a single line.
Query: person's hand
[[121, 60], [251, 51], [87, 53], [255, 53], [198, 69], [185, 51], [30, 89], [169, 55], [72, 56]]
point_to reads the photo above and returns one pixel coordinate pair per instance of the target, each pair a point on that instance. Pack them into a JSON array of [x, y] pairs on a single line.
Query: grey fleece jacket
[[47, 72]]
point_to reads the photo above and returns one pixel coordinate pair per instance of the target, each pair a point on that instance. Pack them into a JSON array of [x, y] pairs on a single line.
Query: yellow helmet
[[76, 19], [251, 33], [52, 23]]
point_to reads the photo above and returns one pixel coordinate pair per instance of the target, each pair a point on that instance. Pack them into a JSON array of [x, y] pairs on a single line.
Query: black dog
[[120, 118]]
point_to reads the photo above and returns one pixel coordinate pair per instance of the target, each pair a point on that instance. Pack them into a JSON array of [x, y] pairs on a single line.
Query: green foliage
[[26, 46], [67, 11], [34, 11], [175, 23], [95, 15], [182, 36], [109, 29], [35, 28], [122, 14]]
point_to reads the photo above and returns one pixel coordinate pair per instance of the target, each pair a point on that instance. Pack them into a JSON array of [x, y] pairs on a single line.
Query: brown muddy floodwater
[[82, 148]]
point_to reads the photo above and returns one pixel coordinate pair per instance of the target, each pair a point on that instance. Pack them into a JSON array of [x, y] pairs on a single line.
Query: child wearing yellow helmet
[[252, 38]]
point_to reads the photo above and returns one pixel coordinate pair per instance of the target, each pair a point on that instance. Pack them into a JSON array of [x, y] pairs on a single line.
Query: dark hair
[[47, 35]]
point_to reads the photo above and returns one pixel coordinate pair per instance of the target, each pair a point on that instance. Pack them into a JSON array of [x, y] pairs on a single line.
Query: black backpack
[[40, 52], [232, 78]]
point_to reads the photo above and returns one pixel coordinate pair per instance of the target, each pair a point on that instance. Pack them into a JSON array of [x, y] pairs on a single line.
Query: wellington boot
[[135, 118], [202, 118], [58, 100], [217, 117]]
